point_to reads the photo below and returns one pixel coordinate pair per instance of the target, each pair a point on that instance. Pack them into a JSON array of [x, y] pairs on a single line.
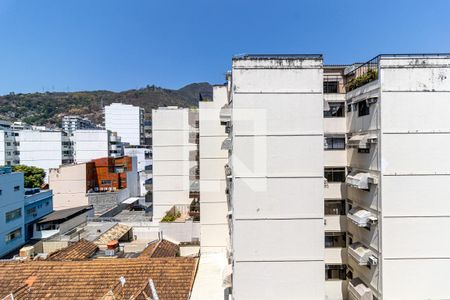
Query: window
[[363, 108], [8, 143], [336, 110], [15, 234], [13, 214], [47, 226], [334, 143], [335, 174], [334, 207], [349, 107], [16, 188], [330, 87], [0, 192], [335, 272], [31, 211], [335, 240], [106, 182]]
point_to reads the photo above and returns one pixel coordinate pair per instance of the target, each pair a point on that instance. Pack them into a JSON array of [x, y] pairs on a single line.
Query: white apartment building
[[71, 123], [385, 212], [276, 183], [175, 159], [90, 144], [213, 158], [44, 149], [399, 215], [127, 120], [9, 155]]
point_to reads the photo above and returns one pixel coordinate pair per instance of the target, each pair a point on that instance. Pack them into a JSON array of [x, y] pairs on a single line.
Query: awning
[[359, 290], [225, 113], [361, 217], [360, 253], [226, 276], [361, 180], [362, 141], [130, 200], [227, 144]]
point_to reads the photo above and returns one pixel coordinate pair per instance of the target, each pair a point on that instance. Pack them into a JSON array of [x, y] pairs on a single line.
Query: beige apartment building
[[379, 175]]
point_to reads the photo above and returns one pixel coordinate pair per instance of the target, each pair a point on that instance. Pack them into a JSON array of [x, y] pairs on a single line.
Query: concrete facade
[[90, 144], [127, 120], [213, 200], [277, 184], [175, 155]]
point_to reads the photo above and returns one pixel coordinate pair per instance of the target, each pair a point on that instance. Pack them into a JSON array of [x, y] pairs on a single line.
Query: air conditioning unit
[[373, 260]]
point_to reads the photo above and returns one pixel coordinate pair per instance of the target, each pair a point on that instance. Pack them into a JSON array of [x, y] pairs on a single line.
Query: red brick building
[[109, 173]]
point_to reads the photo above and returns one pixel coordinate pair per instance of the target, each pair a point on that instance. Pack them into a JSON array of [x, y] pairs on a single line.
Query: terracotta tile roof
[[162, 248], [115, 233], [80, 250], [95, 279]]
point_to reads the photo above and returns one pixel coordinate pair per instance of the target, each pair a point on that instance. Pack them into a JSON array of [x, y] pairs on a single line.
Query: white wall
[[90, 144], [127, 121]]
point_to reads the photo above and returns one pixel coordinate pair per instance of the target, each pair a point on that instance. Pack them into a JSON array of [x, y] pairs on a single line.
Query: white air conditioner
[[373, 260]]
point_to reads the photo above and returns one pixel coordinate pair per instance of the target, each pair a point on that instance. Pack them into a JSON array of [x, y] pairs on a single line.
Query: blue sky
[[70, 45]]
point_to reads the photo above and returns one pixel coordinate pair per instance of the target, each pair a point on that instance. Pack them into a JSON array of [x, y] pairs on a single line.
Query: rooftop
[[93, 279], [63, 215], [277, 56], [80, 250], [162, 248]]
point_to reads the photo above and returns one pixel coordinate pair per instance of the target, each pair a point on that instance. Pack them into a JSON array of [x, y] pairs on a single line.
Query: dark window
[[330, 87], [334, 143], [16, 188], [363, 108], [364, 150], [13, 235], [335, 174], [335, 240], [13, 214], [106, 181], [335, 272], [334, 207], [349, 107], [336, 110]]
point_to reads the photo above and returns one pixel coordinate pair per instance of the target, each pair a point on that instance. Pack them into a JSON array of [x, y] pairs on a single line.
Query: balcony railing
[[363, 74]]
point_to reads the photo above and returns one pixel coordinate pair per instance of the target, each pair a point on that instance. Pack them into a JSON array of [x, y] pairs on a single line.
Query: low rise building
[[38, 203]]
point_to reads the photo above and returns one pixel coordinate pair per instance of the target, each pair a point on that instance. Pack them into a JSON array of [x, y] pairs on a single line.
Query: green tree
[[33, 176]]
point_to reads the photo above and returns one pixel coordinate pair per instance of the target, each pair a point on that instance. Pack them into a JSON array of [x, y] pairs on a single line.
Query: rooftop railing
[[363, 74]]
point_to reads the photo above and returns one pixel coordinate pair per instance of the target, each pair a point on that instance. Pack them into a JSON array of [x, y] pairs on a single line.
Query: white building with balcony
[[175, 159], [398, 212], [127, 121], [90, 144]]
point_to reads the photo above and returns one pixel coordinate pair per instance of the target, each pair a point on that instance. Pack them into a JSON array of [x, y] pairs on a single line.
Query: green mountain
[[48, 108]]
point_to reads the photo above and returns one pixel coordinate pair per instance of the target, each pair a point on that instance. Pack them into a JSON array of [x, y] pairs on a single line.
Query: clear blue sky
[[121, 44]]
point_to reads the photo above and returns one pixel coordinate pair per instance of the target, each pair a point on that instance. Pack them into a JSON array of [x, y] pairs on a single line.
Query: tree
[[33, 176]]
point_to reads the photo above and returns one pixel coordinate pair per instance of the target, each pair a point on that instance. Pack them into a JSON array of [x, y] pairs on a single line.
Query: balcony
[[225, 113], [361, 180], [359, 253], [357, 289], [361, 217], [362, 74]]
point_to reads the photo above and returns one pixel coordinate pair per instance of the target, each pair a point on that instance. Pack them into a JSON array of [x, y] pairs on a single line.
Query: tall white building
[[213, 159], [95, 143], [384, 207], [9, 155], [175, 159], [144, 168], [277, 184], [127, 120]]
